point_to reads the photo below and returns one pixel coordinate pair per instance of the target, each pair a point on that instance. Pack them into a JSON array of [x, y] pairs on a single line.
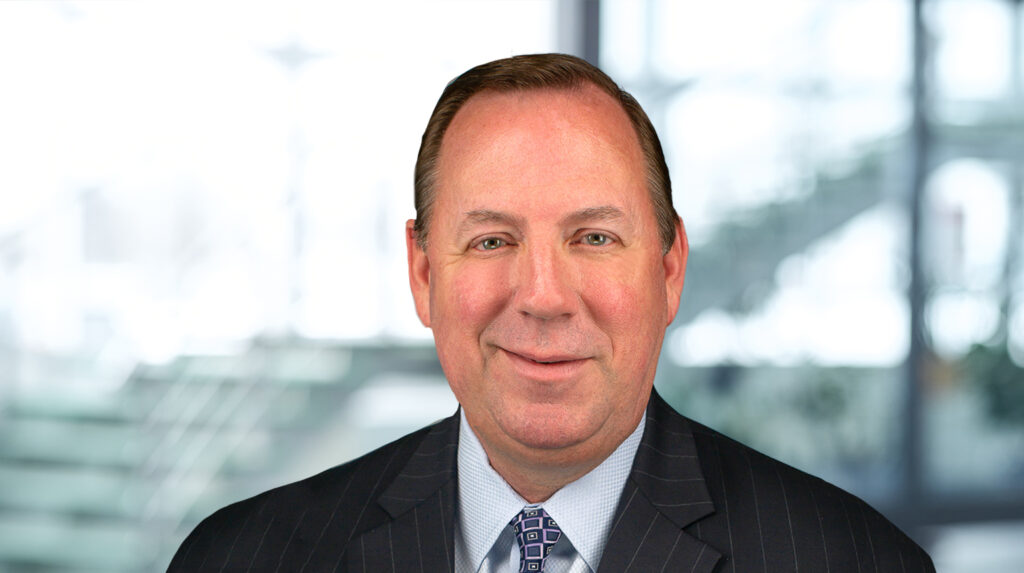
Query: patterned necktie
[[537, 534]]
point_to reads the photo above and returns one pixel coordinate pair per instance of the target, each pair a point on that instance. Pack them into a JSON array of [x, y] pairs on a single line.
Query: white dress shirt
[[583, 510]]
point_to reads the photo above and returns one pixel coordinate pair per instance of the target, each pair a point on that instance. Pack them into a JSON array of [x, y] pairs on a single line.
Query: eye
[[596, 239], [490, 244]]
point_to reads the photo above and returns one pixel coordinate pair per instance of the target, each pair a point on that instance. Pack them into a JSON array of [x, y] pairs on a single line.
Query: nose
[[544, 286]]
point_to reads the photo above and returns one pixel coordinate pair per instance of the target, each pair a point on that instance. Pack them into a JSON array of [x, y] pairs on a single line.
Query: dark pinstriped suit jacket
[[695, 501]]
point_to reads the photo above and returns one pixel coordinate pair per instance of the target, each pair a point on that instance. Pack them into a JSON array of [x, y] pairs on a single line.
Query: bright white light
[[840, 302], [969, 224], [956, 320], [726, 37], [709, 339], [973, 48]]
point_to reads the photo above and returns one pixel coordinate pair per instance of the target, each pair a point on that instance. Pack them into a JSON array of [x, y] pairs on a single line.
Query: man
[[548, 260]]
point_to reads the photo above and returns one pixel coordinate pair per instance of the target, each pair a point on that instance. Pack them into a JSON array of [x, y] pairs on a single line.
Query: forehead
[[490, 116], [507, 144]]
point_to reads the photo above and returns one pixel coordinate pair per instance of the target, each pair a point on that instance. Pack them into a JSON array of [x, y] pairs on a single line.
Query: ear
[[419, 274], [674, 262]]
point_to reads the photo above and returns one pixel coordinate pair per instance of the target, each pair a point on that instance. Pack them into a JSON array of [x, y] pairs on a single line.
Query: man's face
[[544, 279]]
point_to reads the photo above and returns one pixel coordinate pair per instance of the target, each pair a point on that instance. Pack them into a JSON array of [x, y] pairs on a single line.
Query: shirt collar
[[583, 509]]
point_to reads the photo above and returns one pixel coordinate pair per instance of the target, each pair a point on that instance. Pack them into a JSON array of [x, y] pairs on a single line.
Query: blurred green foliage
[[999, 380]]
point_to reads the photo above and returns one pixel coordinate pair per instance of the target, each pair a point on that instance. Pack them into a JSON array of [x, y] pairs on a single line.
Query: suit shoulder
[[293, 518], [808, 520]]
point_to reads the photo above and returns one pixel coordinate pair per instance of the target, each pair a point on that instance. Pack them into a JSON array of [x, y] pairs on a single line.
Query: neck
[[538, 482], [536, 474]]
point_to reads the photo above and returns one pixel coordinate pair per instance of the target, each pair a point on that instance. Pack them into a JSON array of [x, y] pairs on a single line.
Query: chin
[[551, 430]]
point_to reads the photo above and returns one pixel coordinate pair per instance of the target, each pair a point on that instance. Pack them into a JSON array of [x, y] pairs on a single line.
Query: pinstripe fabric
[[390, 510], [695, 501], [766, 515]]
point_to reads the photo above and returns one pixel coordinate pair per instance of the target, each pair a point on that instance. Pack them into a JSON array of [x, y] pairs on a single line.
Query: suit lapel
[[664, 494], [421, 504]]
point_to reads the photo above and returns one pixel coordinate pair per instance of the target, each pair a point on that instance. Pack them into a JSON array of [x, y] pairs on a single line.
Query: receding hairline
[[584, 89], [586, 94]]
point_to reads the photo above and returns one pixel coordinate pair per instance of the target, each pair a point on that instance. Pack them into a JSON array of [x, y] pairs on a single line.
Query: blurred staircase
[[735, 269], [741, 257], [114, 483]]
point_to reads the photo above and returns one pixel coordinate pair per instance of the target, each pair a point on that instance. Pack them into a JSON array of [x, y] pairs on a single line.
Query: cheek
[[627, 304], [464, 302], [466, 299]]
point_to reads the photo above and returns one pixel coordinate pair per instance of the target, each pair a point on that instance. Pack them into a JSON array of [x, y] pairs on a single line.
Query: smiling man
[[545, 280], [548, 260]]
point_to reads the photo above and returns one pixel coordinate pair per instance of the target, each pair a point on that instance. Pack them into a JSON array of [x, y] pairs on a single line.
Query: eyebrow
[[486, 216], [603, 213]]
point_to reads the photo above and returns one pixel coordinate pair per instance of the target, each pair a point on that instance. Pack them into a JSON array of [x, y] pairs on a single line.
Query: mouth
[[546, 358], [546, 367]]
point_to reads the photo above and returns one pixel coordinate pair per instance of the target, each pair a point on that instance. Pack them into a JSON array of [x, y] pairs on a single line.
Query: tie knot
[[536, 534]]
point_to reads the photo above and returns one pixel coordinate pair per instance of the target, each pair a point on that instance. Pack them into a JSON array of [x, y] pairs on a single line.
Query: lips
[[545, 358], [543, 367]]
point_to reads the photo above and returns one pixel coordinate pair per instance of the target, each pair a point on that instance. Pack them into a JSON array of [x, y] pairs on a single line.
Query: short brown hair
[[533, 72]]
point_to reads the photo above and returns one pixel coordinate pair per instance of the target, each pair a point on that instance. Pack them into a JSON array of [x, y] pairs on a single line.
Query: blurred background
[[202, 270]]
